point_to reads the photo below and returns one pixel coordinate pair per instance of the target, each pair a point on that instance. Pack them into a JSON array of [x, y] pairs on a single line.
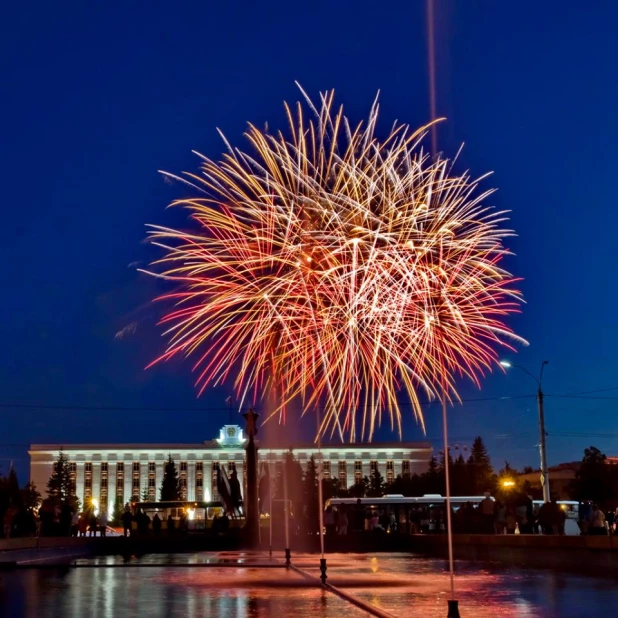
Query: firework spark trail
[[334, 268]]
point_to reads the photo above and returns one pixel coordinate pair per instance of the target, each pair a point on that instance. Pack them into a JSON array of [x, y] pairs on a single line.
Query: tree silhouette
[[295, 481], [170, 485], [432, 481], [480, 470], [118, 511], [60, 486], [359, 489], [595, 480], [30, 497], [376, 484], [310, 496]]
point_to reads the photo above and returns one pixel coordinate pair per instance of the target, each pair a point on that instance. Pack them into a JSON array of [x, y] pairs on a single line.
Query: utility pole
[[540, 402], [544, 472]]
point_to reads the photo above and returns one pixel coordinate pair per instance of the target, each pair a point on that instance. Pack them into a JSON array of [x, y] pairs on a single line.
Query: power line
[[583, 397], [28, 406], [596, 390]]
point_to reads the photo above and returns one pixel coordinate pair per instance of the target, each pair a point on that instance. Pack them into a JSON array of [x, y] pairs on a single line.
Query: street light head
[[506, 364]]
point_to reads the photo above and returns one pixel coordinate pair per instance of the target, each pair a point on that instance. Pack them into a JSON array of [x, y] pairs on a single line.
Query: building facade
[[105, 472]]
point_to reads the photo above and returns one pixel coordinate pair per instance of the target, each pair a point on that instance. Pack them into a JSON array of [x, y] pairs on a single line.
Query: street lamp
[[539, 398]]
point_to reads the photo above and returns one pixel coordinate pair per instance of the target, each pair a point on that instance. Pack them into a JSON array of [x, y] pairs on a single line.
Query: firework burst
[[338, 270]]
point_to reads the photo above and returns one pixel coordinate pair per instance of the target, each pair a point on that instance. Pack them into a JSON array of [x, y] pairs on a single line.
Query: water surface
[[404, 585]]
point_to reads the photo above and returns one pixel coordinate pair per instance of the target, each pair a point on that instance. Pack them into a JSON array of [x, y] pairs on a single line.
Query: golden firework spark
[[337, 269]]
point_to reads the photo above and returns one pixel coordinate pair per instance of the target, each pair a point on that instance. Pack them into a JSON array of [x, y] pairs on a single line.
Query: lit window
[[213, 484], [390, 471]]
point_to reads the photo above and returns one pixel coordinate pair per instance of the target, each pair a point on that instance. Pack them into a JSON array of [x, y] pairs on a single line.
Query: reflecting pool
[[240, 586]]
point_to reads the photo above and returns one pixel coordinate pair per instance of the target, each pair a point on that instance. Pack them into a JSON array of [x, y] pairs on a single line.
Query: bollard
[[453, 609], [288, 557], [323, 576]]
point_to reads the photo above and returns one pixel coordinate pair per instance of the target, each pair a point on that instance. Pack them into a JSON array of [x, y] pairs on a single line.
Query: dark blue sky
[[95, 97]]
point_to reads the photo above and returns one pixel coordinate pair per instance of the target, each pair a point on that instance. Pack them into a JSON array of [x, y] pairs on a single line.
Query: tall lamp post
[[539, 398]]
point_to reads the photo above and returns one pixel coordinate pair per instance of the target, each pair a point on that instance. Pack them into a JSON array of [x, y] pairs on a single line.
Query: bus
[[432, 506], [199, 515]]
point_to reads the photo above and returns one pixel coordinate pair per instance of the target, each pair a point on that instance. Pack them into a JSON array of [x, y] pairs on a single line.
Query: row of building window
[[199, 477]]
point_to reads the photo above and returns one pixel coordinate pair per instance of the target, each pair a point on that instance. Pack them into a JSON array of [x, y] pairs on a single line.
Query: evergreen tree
[[460, 485], [295, 482], [59, 486], [170, 485], [118, 511], [432, 481], [310, 496], [480, 470], [30, 497], [13, 487], [376, 484], [145, 494]]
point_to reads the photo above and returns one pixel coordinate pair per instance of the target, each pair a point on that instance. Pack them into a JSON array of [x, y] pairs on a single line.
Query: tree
[[60, 486], [310, 496], [13, 487], [359, 489], [145, 494], [331, 488], [170, 485], [479, 465], [460, 482], [405, 486], [595, 480], [118, 511], [376, 484], [432, 481], [30, 497], [292, 470]]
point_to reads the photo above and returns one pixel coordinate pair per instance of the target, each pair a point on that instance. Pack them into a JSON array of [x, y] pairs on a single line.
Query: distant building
[[104, 472], [560, 479]]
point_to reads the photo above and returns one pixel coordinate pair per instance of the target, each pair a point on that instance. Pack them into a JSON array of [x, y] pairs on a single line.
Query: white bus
[[434, 504]]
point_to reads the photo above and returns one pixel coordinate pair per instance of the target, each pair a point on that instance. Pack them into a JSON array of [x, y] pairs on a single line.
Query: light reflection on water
[[401, 584]]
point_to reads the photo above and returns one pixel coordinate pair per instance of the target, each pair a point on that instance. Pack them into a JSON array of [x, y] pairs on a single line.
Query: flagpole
[[320, 505], [270, 513], [285, 502]]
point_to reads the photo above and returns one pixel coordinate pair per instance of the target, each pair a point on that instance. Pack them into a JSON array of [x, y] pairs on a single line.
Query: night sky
[[95, 97]]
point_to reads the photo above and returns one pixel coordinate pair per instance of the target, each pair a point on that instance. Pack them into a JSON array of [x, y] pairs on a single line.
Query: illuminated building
[[105, 472]]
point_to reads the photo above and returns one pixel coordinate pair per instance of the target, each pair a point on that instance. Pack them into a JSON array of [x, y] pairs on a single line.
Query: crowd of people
[[517, 515]]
